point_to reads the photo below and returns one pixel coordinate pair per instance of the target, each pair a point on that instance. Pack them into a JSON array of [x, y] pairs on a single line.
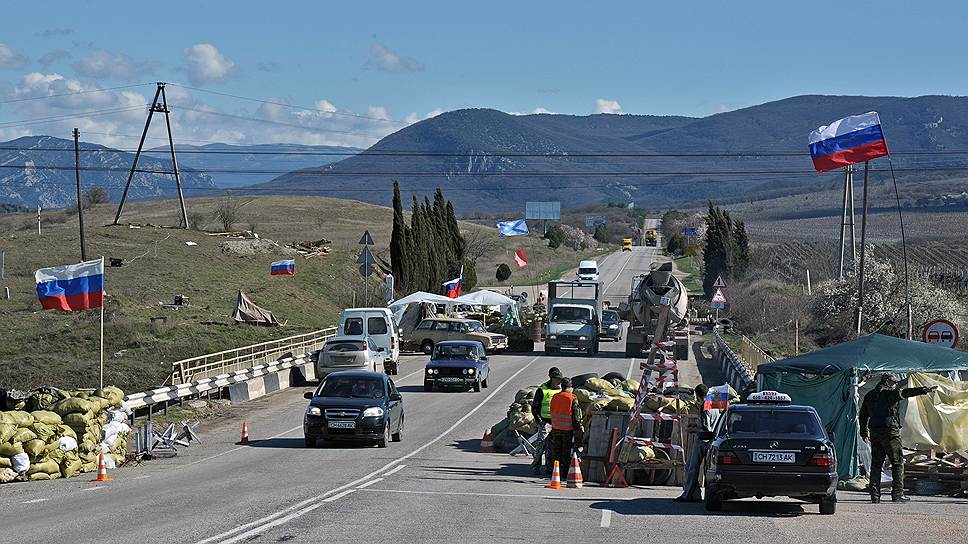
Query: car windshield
[[475, 326], [343, 345], [587, 271], [462, 352], [768, 421], [351, 387], [570, 315]]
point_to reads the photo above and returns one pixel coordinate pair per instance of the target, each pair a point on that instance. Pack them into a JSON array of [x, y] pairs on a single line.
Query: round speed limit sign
[[941, 332]]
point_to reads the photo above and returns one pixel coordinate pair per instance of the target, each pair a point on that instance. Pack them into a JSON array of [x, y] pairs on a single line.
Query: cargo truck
[[574, 316]]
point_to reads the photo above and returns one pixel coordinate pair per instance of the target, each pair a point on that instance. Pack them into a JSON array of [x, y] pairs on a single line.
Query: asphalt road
[[432, 487]]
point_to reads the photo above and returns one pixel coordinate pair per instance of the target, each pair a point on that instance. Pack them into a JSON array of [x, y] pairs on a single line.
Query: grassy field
[[61, 349]]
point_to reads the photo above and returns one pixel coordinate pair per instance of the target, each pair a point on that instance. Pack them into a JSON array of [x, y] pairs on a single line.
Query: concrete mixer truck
[[649, 292]]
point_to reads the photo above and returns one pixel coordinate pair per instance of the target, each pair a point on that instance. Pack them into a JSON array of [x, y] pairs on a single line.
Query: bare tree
[[478, 242], [227, 212], [197, 220], [96, 195]]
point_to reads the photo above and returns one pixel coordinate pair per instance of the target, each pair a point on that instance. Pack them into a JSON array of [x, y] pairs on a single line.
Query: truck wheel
[[828, 504], [427, 347], [477, 386]]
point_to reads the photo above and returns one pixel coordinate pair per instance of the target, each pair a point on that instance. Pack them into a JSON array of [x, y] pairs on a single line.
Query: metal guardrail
[[752, 354], [231, 361], [738, 372]]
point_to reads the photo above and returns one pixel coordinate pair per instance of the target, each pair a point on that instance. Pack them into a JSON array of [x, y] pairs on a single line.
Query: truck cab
[[574, 316], [651, 238], [588, 270], [626, 244]]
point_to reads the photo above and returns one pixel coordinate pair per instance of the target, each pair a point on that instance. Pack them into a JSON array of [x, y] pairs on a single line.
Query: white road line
[[96, 488], [142, 477], [606, 518], [396, 470], [329, 499], [368, 484], [33, 501], [226, 452], [628, 376], [308, 505], [562, 497], [618, 275]]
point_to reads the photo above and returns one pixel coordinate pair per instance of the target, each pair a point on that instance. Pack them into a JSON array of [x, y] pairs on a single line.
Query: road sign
[[717, 305], [691, 232], [365, 257], [719, 283], [366, 269], [941, 332], [719, 297], [366, 240]]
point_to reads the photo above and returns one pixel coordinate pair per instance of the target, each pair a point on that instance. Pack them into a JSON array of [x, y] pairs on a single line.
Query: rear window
[[376, 325], [344, 346], [353, 326], [425, 325], [767, 421]]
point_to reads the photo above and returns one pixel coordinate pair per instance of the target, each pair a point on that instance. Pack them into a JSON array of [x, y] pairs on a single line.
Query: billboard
[[543, 210]]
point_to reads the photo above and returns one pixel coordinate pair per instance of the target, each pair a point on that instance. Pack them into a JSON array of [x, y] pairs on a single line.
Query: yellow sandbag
[[79, 419], [635, 454], [101, 403], [620, 405], [74, 405], [114, 394], [43, 431], [65, 430], [71, 468], [86, 446], [23, 435], [597, 405], [46, 416], [583, 395], [87, 457], [35, 448], [17, 417], [89, 467], [119, 458], [11, 448], [597, 384], [39, 476], [7, 475], [631, 386], [7, 430], [47, 466], [5, 462]]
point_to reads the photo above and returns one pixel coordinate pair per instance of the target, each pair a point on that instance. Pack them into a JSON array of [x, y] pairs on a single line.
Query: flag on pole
[[71, 287], [850, 140], [520, 258], [512, 228], [717, 398], [283, 268], [453, 286]]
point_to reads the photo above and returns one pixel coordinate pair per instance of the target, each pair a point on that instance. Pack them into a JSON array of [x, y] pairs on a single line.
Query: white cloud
[[542, 110], [53, 56], [206, 64], [414, 118], [433, 113], [607, 106], [377, 112], [325, 105], [104, 64], [387, 60], [535, 111], [11, 58]]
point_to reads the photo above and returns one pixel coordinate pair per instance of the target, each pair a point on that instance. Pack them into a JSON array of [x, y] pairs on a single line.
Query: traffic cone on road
[[575, 479], [555, 478], [102, 469], [487, 443], [245, 433]]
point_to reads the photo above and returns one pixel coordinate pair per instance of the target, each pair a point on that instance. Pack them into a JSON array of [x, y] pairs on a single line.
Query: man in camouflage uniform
[[880, 426]]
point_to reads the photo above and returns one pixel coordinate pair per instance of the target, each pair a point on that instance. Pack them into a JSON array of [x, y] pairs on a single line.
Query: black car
[[770, 448], [354, 405], [611, 326], [459, 364]]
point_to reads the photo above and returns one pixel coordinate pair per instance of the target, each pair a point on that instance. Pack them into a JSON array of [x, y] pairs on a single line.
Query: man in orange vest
[[566, 426]]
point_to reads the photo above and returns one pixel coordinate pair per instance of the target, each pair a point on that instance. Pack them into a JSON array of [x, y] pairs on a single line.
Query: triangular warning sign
[[719, 283], [718, 296], [365, 257], [366, 240]]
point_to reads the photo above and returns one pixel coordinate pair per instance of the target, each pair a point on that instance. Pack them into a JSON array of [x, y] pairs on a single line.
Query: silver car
[[348, 353]]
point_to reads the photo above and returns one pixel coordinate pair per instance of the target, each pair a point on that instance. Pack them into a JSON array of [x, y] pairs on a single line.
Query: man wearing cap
[[566, 425], [541, 410], [880, 426]]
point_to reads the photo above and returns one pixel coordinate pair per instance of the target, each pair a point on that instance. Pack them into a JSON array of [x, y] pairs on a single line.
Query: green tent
[[827, 379]]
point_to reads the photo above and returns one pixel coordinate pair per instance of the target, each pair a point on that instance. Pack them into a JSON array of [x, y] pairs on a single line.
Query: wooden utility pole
[[80, 205], [161, 107]]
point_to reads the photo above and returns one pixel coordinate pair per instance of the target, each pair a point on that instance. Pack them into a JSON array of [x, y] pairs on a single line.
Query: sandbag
[[583, 395], [112, 393], [17, 417], [635, 454], [631, 386], [66, 443], [23, 435], [70, 468], [597, 384], [5, 462], [43, 431], [46, 417], [11, 448], [89, 467], [74, 405], [65, 430], [598, 404], [101, 403], [49, 466], [7, 430], [20, 462], [87, 446], [620, 405], [7, 475], [87, 457], [39, 476], [79, 419], [525, 394], [35, 448]]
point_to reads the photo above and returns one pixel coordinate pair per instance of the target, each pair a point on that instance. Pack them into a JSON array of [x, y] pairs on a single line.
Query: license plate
[[774, 456], [341, 424], [450, 379]]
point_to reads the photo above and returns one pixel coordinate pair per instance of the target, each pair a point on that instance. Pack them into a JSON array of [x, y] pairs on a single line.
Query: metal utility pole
[[847, 220], [863, 251], [80, 206], [160, 108]]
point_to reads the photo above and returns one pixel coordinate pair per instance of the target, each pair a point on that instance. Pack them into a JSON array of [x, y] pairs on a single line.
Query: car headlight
[[430, 371], [582, 338], [464, 370], [313, 411], [470, 371], [436, 371], [552, 337], [613, 326], [376, 411]]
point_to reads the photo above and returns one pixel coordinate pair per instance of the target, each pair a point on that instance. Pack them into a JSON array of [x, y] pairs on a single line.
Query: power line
[[67, 117], [120, 87]]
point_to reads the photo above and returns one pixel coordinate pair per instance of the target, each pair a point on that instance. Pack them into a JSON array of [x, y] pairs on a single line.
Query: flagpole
[[101, 381]]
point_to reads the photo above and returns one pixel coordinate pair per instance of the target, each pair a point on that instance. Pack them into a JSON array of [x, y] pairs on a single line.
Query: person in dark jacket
[[541, 410], [880, 426]]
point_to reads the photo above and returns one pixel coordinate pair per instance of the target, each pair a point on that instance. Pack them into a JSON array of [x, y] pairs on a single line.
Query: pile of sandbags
[[518, 419], [62, 434]]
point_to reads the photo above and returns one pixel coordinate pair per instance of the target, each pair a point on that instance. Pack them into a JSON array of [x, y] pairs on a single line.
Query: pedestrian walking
[[880, 426], [566, 426], [691, 490], [541, 410]]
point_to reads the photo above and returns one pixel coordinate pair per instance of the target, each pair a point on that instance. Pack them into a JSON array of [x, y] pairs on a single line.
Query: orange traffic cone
[[245, 433], [555, 478], [574, 473], [487, 443], [102, 469]]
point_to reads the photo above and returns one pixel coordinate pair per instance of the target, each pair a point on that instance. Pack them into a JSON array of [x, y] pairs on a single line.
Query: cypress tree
[[742, 244], [399, 262], [719, 252]]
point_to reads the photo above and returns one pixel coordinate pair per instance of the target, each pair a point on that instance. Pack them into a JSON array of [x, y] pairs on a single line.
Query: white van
[[588, 270], [376, 325]]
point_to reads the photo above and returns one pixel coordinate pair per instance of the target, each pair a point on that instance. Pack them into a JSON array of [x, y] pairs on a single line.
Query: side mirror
[[308, 395], [380, 350], [396, 396], [705, 435]]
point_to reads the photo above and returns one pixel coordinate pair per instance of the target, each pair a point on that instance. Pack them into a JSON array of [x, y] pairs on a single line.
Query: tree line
[[727, 249], [430, 250]]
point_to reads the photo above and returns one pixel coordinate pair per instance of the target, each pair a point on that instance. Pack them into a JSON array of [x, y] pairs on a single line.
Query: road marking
[[329, 499], [498, 495], [142, 477], [226, 452], [606, 518], [631, 367], [368, 484], [619, 274], [33, 501], [96, 488], [396, 470], [308, 505]]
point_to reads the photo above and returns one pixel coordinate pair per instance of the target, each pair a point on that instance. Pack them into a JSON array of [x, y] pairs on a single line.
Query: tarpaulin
[[938, 419]]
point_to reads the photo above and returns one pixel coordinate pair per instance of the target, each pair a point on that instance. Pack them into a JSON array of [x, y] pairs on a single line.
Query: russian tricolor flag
[[453, 286], [284, 268], [717, 398], [72, 287], [850, 140]]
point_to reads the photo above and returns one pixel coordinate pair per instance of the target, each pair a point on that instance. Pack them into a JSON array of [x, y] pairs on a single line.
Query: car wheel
[[310, 441], [484, 383], [397, 435], [828, 504], [714, 502], [382, 442], [551, 351], [427, 347], [428, 387], [477, 386]]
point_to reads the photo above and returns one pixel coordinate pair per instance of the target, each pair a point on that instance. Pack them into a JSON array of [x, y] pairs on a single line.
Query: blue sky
[[404, 61]]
